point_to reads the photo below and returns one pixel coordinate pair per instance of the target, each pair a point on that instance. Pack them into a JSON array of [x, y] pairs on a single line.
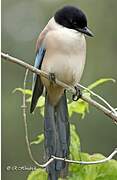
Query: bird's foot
[[77, 95], [52, 78]]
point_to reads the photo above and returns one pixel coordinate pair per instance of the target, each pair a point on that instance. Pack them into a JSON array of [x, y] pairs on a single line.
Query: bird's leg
[[77, 95], [52, 78]]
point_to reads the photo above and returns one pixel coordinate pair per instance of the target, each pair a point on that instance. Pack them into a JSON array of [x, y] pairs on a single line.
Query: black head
[[72, 18]]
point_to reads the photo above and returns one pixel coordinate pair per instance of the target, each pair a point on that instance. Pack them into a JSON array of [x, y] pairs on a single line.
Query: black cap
[[73, 18]]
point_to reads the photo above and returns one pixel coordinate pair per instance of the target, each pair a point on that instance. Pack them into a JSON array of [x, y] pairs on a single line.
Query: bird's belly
[[65, 57], [67, 68]]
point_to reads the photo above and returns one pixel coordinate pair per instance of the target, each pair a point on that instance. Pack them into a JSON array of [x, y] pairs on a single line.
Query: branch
[[27, 137], [110, 113]]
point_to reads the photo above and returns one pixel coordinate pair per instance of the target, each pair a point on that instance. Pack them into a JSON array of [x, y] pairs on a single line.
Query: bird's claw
[[52, 78], [77, 95]]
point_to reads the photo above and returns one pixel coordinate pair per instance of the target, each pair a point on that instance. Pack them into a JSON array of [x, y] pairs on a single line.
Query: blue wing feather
[[39, 57], [37, 85], [38, 61]]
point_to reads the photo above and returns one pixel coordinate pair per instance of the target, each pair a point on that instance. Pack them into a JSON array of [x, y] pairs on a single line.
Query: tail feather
[[57, 135], [63, 124], [49, 128]]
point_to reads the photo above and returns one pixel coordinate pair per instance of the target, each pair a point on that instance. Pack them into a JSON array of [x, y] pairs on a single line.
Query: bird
[[60, 52]]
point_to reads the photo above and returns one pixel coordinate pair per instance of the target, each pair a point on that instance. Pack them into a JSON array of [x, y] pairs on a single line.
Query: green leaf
[[80, 107], [40, 105], [75, 143], [74, 149], [41, 102], [99, 82], [39, 174], [38, 140], [26, 91]]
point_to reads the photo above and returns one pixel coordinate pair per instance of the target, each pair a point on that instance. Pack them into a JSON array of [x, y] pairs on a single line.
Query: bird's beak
[[86, 31]]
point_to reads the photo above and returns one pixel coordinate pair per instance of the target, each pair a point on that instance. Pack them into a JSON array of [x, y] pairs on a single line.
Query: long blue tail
[[57, 136]]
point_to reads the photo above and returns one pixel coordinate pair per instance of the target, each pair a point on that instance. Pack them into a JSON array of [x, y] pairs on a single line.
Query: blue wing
[[37, 85]]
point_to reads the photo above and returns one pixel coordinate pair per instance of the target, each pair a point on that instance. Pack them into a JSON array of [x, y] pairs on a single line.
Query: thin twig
[[78, 162], [110, 113], [99, 97], [25, 121], [88, 162]]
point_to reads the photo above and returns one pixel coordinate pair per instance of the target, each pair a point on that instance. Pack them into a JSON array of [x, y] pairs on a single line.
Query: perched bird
[[61, 52]]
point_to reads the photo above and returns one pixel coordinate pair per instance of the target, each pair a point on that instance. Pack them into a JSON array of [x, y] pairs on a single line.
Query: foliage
[[38, 140], [39, 174], [106, 171]]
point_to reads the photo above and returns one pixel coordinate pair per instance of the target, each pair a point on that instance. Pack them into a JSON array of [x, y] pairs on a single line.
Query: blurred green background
[[22, 21]]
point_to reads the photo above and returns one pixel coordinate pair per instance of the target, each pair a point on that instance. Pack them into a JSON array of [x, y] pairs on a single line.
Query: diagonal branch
[[108, 112]]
